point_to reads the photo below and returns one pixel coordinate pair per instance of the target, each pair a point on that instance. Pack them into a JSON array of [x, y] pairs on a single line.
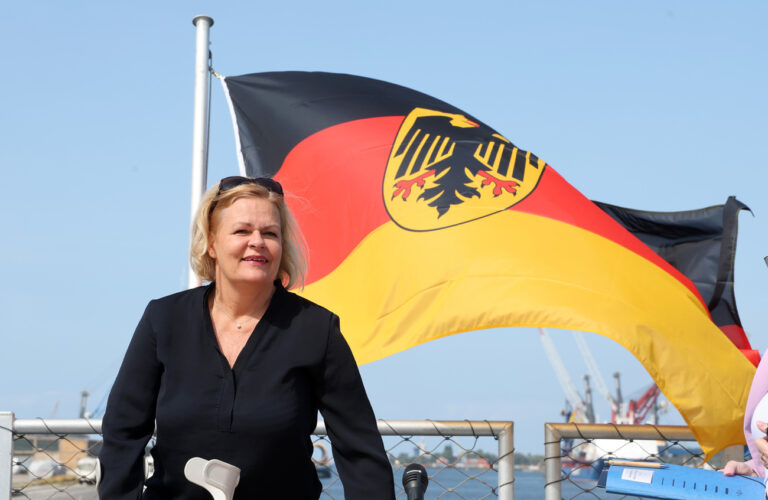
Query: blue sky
[[657, 105]]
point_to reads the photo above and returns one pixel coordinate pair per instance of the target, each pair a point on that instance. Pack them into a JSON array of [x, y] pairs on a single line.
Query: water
[[450, 484], [528, 486]]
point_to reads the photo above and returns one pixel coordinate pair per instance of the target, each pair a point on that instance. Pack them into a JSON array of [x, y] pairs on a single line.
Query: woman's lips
[[256, 259]]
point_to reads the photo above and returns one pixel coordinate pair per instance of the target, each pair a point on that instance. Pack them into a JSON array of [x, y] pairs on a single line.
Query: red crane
[[638, 409]]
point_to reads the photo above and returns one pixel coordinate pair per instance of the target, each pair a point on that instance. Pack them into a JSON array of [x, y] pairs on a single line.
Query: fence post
[[6, 454], [552, 471], [506, 473]]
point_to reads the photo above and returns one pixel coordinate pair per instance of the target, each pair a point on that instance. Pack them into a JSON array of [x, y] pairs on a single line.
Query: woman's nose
[[256, 241]]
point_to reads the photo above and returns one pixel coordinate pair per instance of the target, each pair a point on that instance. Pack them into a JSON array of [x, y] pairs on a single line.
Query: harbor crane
[[594, 372], [580, 410], [633, 411]]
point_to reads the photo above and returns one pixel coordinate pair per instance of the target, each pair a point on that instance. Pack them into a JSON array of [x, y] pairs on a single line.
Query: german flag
[[701, 244], [423, 222]]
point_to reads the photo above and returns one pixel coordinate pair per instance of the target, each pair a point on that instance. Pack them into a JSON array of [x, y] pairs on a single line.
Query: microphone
[[415, 481]]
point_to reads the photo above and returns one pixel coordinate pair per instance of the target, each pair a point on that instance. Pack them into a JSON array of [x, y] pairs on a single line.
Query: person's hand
[[762, 443], [733, 468]]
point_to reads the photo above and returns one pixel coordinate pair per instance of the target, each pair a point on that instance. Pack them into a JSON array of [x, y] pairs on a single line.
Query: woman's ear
[[211, 250]]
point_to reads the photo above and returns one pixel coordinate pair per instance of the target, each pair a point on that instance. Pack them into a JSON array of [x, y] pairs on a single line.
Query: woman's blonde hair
[[293, 265]]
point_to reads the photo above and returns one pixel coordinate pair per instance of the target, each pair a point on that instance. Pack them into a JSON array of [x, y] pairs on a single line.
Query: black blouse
[[258, 415]]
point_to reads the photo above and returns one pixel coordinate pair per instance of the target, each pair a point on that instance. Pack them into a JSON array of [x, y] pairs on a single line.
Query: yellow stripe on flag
[[401, 288]]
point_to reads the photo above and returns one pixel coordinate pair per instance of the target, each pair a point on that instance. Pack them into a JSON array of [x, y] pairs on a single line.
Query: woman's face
[[247, 244]]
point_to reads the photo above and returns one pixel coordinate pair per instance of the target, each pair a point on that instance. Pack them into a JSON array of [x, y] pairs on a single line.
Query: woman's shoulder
[[179, 300], [176, 313], [296, 305]]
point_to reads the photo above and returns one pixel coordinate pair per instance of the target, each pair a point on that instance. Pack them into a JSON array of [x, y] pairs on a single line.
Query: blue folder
[[681, 483]]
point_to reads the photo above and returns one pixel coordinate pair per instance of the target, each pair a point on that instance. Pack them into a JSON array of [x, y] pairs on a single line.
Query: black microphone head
[[415, 475]]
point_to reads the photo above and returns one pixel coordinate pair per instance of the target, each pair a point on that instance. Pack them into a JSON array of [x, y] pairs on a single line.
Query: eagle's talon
[[405, 186], [498, 184]]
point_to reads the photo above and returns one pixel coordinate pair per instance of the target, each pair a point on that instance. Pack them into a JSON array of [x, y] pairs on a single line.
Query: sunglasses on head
[[232, 182], [228, 183]]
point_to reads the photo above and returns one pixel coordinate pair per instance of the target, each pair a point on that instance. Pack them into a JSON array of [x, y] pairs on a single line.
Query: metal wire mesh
[[463, 464], [584, 450], [53, 465], [458, 468]]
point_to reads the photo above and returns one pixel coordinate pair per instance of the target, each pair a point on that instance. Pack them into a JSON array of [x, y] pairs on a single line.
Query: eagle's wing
[[450, 158]]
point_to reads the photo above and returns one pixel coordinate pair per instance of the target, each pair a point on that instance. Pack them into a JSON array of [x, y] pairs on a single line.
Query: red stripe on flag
[[556, 199], [333, 183], [737, 336], [333, 187]]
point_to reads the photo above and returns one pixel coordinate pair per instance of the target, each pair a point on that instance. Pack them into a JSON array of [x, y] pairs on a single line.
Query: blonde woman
[[238, 369]]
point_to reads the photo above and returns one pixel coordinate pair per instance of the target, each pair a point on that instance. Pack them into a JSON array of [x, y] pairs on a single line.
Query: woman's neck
[[238, 302]]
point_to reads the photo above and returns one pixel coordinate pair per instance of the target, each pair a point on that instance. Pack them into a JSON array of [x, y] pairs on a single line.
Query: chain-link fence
[[464, 459], [575, 454], [56, 459]]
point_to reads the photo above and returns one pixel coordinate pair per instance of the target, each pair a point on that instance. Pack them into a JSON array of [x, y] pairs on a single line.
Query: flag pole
[[200, 123]]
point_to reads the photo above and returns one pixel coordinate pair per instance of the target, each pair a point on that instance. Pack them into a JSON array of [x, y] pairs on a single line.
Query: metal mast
[[200, 122]]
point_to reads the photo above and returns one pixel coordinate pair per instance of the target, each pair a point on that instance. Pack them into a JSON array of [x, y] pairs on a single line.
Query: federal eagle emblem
[[445, 169]]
